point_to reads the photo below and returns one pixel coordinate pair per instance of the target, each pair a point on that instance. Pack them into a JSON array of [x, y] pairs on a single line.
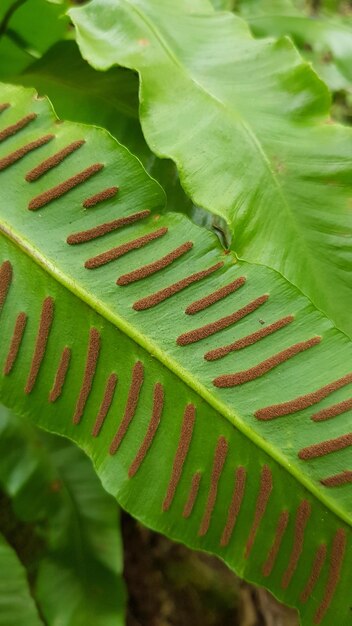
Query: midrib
[[170, 363]]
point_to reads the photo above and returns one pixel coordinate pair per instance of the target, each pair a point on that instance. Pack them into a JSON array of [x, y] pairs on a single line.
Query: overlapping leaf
[[325, 40], [247, 123], [27, 30], [76, 568], [81, 94], [17, 607]]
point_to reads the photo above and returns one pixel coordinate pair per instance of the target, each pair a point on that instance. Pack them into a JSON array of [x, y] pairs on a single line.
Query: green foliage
[[81, 94], [27, 29], [323, 33], [263, 153], [17, 607], [223, 5], [180, 426], [72, 548], [325, 40], [107, 334]]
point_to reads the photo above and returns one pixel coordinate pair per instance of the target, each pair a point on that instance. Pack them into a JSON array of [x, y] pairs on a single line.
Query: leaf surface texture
[[111, 316]]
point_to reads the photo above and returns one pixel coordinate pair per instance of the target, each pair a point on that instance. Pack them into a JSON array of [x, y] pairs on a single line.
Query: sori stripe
[[56, 192], [60, 375], [235, 505], [231, 380], [275, 548], [336, 560], [184, 443], [155, 266], [332, 411], [318, 563], [197, 334], [5, 281], [46, 320], [265, 489], [325, 447], [338, 480], [16, 340], [119, 251], [53, 161], [131, 406], [159, 296], [89, 372], [18, 154], [106, 194], [302, 517], [302, 402], [221, 451], [15, 128], [192, 496], [215, 296], [107, 227], [108, 397], [158, 403], [249, 340]]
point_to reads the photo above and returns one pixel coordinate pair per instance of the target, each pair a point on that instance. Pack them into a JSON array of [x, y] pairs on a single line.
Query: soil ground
[[170, 585]]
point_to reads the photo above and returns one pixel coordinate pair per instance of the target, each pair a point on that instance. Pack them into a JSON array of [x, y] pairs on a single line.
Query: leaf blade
[[89, 303], [281, 172], [16, 604]]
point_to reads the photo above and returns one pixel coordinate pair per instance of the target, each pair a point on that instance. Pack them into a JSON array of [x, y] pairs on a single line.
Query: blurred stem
[[8, 15], [315, 5], [21, 43]]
